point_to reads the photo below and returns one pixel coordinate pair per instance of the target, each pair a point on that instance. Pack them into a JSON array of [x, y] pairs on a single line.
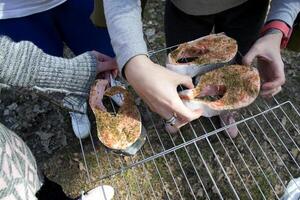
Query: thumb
[[250, 56], [186, 81], [185, 113], [107, 66], [101, 56], [197, 112], [181, 122]]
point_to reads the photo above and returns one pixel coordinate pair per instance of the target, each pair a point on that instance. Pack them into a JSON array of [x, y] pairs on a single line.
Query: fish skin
[[97, 93]]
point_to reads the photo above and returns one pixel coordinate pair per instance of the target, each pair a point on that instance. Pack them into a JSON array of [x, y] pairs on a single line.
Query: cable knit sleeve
[[24, 65]]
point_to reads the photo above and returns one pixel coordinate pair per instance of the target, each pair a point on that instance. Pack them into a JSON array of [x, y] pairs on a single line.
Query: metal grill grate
[[201, 161]]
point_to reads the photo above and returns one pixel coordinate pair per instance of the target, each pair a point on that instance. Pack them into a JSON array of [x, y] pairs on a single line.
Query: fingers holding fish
[[109, 65], [177, 114], [270, 93], [174, 128], [105, 63], [158, 88], [100, 56], [208, 90], [172, 119], [183, 112], [276, 83], [186, 81], [178, 123], [271, 67]]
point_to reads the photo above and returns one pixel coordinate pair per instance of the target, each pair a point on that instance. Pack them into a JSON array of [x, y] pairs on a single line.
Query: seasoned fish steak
[[115, 131]]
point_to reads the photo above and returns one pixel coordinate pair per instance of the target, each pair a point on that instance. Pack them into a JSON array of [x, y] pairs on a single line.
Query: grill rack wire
[[202, 161]]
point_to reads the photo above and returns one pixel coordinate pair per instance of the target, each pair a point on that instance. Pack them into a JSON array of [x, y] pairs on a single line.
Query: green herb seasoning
[[212, 49], [123, 128], [236, 78]]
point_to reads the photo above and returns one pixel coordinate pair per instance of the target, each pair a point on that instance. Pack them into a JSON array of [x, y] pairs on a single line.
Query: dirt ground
[[258, 164]]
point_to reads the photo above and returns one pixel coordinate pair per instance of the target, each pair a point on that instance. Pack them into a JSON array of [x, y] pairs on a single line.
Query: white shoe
[[81, 125], [103, 192], [292, 191]]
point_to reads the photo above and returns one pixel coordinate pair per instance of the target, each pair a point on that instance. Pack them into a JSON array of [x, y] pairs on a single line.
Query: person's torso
[[22, 8], [206, 7]]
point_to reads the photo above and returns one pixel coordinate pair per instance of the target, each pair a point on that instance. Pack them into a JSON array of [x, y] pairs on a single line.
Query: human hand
[[157, 86], [270, 65], [105, 64]]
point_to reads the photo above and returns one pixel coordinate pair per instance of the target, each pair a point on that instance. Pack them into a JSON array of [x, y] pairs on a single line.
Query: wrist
[[273, 38], [135, 64], [74, 75], [275, 27], [274, 31]]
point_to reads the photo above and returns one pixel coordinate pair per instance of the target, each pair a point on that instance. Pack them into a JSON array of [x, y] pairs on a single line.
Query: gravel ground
[[259, 162]]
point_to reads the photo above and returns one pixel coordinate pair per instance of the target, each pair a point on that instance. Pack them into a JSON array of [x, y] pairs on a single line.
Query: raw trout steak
[[227, 88], [115, 131], [203, 54]]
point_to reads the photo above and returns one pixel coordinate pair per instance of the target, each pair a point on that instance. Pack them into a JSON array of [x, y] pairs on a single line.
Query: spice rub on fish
[[115, 131], [226, 88], [202, 54]]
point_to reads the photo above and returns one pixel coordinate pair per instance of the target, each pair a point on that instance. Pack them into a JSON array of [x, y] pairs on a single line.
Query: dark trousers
[[241, 23], [50, 191], [67, 23]]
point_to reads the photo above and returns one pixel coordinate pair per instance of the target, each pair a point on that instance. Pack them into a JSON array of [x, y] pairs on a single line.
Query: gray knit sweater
[[24, 65]]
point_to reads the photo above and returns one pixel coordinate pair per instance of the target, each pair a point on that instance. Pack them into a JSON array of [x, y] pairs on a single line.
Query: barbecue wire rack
[[201, 161]]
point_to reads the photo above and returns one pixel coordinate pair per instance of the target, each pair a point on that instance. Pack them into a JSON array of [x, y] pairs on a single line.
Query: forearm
[[24, 65], [284, 10], [124, 23]]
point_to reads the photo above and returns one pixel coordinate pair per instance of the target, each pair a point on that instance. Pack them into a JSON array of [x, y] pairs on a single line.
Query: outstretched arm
[[24, 65], [267, 48], [154, 84]]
